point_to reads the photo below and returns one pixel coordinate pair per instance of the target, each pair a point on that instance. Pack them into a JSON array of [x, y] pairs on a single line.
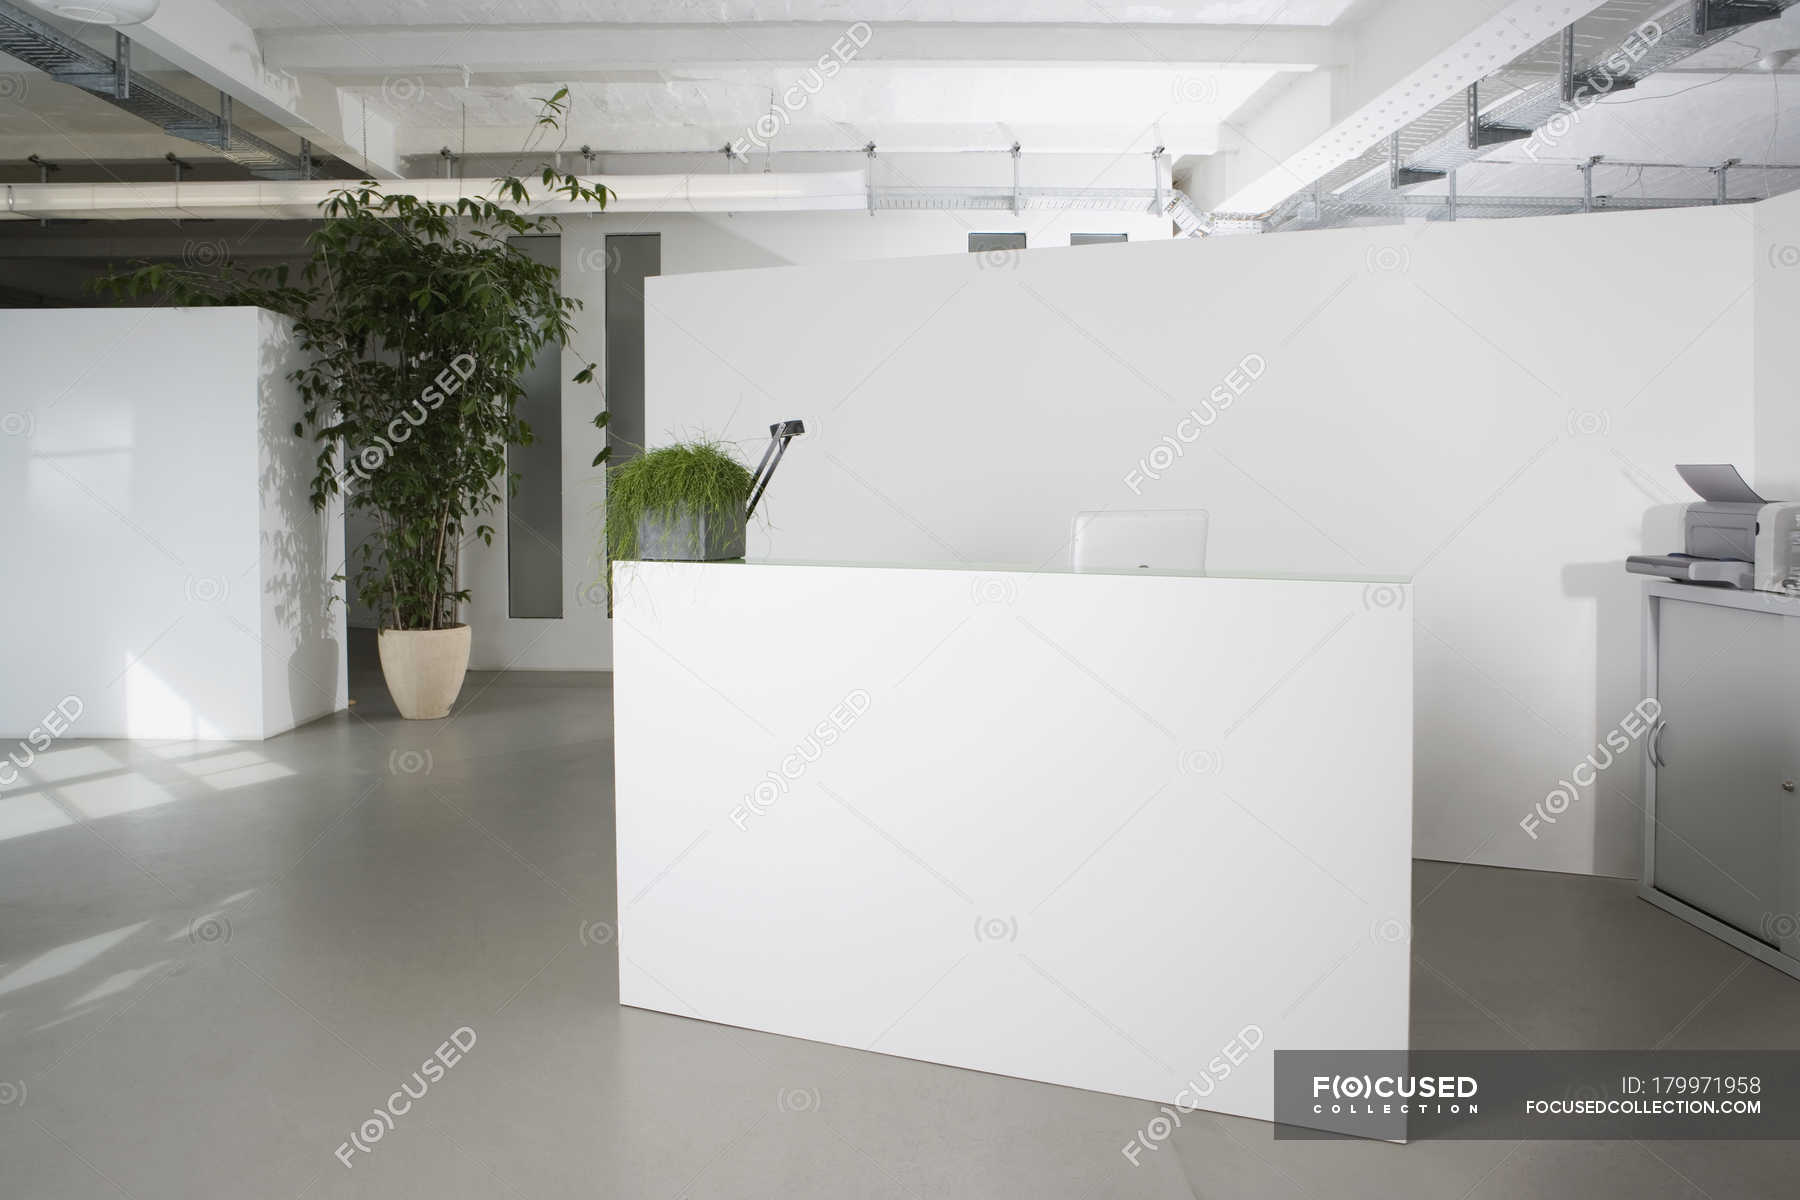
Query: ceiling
[[1237, 91], [1084, 77], [289, 14], [1060, 76]]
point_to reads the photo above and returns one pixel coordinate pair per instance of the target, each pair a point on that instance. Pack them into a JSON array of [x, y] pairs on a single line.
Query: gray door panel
[[1723, 821]]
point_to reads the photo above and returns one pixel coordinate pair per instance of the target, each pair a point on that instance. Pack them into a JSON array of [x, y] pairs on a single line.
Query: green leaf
[[390, 291]]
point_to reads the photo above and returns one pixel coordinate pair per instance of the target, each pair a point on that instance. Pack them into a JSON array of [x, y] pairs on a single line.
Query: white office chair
[[1169, 539]]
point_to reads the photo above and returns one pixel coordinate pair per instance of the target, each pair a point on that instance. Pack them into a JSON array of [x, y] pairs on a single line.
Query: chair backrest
[[1169, 539]]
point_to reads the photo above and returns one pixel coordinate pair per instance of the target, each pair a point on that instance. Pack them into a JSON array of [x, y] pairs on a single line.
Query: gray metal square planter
[[682, 534]]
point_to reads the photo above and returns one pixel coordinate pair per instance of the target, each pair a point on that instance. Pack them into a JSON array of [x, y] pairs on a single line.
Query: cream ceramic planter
[[424, 669]]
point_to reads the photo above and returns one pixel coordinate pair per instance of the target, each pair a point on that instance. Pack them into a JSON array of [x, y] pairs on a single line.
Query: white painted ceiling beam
[[208, 42], [1405, 58], [540, 50]]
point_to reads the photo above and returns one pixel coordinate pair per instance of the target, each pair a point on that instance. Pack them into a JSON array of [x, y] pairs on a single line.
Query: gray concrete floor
[[217, 959]]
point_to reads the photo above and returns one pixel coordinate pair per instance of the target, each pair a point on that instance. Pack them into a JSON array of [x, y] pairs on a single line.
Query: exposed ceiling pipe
[[823, 191], [811, 159], [299, 199], [1435, 208]]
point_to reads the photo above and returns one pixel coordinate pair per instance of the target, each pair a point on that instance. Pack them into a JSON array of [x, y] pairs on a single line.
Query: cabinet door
[[1723, 820]]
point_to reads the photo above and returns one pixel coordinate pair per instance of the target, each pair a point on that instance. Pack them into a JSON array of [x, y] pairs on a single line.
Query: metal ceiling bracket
[[209, 129], [44, 169], [1311, 204], [179, 166], [121, 67], [1720, 195], [1488, 135], [1595, 81], [93, 74], [1587, 183], [869, 175], [1712, 15], [1568, 64], [1401, 176], [1017, 205]]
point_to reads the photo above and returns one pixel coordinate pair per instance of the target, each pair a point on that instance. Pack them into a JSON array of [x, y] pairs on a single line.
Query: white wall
[[582, 639], [1491, 407], [144, 574], [302, 632], [1776, 264]]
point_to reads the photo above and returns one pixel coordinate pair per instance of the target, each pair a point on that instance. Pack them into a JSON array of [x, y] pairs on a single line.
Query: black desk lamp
[[780, 435]]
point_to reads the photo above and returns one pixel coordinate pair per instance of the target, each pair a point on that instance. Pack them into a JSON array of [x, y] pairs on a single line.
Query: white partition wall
[[1490, 407], [696, 242], [165, 566], [1112, 830], [1777, 266]]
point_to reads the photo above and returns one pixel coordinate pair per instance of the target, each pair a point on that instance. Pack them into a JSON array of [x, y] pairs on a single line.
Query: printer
[[1733, 537]]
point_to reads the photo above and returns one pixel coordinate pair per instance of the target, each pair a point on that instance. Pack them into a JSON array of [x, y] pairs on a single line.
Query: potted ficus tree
[[417, 321]]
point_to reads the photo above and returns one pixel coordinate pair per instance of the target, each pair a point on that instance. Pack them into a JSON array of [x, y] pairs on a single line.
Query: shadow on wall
[[1616, 603], [1613, 598], [727, 249], [298, 589]]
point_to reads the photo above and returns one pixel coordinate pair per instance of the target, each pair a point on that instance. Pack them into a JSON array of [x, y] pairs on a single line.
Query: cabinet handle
[[1656, 732]]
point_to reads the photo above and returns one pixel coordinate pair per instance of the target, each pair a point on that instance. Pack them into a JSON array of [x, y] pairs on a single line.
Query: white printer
[[1734, 538]]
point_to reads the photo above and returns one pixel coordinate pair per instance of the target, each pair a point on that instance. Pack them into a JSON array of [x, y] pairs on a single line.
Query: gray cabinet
[[1722, 828]]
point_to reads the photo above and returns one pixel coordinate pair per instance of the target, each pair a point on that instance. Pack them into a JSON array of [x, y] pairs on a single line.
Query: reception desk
[[1127, 831]]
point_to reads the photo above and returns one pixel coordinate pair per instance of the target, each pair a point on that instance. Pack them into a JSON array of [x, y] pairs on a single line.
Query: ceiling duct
[[1336, 210], [819, 191], [231, 199], [71, 61], [1005, 199]]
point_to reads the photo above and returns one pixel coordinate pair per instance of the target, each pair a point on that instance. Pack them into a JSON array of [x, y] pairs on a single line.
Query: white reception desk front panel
[[1129, 831]]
